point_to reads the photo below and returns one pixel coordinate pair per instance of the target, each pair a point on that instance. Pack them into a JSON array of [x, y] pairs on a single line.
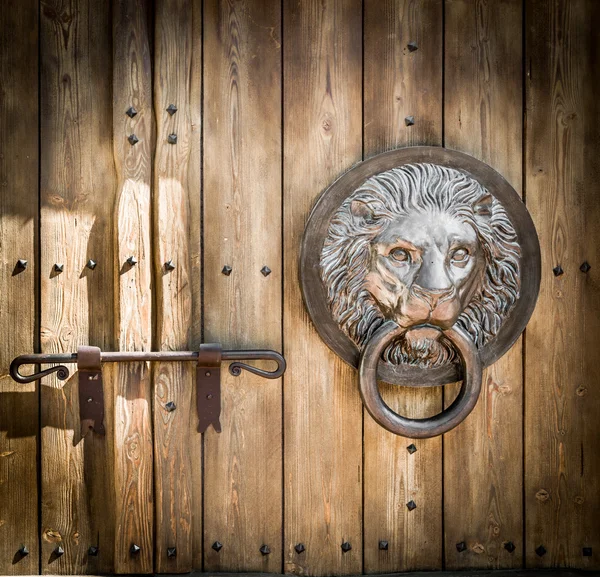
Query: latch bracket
[[91, 391], [208, 386]]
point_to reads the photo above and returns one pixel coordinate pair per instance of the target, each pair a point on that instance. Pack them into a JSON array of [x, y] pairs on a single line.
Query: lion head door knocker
[[420, 266]]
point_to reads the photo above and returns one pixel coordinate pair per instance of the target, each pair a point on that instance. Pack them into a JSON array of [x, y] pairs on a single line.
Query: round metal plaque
[[428, 238]]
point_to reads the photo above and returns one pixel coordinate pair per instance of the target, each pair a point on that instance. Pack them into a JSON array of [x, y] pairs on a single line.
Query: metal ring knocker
[[419, 428]]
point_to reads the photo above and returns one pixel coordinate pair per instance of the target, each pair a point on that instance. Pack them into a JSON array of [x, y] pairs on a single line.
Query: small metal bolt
[[169, 265], [172, 139], [540, 551], [134, 549], [346, 546], [411, 505], [24, 551], [132, 261], [462, 546], [585, 267], [300, 548], [217, 546], [171, 552], [131, 112], [171, 109], [59, 551], [265, 270], [93, 551], [226, 270], [133, 139], [557, 270], [509, 546], [383, 545], [265, 550], [21, 264], [587, 551], [207, 374], [409, 120], [209, 396], [91, 264], [90, 400], [411, 448], [412, 46], [58, 267], [170, 406]]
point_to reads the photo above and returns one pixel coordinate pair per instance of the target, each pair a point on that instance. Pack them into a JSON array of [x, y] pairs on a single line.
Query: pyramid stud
[[171, 552], [346, 546], [131, 112], [172, 139], [411, 505], [217, 546], [411, 448], [265, 550], [170, 406], [171, 109], [558, 271], [412, 46], [93, 551], [462, 546], [409, 120], [132, 261], [135, 549], [59, 551], [133, 139], [226, 270], [169, 265], [509, 546], [91, 264], [21, 264], [300, 548], [540, 551], [265, 270], [23, 551], [585, 267], [383, 545], [58, 267]]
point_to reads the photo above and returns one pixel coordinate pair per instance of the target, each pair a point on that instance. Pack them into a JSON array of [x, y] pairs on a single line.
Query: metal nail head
[[172, 139], [132, 261], [300, 548], [383, 545], [557, 270], [131, 112], [346, 546], [135, 549], [265, 550], [409, 120], [171, 109], [412, 46], [265, 270], [226, 270], [411, 505], [462, 546], [93, 551], [91, 264], [411, 448], [169, 265], [133, 139], [217, 546], [171, 552]]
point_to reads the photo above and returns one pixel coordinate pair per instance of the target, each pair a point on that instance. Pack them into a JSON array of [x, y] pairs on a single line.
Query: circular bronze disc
[[316, 231]]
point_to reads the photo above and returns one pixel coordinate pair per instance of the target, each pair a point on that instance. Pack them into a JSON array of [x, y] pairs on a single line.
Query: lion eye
[[400, 255], [460, 255]]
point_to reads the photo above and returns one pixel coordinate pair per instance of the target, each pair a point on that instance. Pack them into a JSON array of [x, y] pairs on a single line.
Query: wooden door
[[200, 132]]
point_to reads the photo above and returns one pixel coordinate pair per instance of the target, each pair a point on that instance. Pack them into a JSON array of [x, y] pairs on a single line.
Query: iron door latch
[[89, 365]]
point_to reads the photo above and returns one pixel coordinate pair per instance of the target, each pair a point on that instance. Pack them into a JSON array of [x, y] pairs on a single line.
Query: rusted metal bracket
[[208, 376]]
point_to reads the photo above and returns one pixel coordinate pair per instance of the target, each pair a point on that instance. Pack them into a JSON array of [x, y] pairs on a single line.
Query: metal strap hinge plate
[[91, 393], [208, 387]]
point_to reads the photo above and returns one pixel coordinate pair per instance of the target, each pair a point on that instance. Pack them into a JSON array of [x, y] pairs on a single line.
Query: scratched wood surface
[[322, 409], [562, 467], [132, 87], [242, 229], [19, 404], [400, 81], [173, 382], [77, 202], [483, 117]]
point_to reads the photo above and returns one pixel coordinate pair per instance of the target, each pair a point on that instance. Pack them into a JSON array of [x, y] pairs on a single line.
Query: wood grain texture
[[133, 459], [77, 202], [173, 382], [483, 474], [19, 404], [242, 224], [322, 408], [195, 230], [399, 82], [562, 468]]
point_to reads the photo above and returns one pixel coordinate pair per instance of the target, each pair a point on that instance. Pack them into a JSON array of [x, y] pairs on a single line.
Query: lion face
[[426, 246]]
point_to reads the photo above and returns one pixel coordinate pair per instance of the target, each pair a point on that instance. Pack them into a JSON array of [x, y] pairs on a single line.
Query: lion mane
[[400, 192]]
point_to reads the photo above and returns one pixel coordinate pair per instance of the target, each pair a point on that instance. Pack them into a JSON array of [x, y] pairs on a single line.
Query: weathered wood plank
[[242, 223], [19, 404], [483, 456], [77, 203], [400, 81], [173, 382], [562, 468], [132, 87], [322, 407]]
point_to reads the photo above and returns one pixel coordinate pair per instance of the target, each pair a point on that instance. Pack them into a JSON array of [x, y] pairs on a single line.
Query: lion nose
[[432, 296]]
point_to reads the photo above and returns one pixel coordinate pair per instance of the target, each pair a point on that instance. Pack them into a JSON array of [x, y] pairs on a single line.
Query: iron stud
[[265, 270], [170, 406], [131, 112], [300, 548], [265, 550], [226, 270], [412, 46], [509, 546], [540, 551], [132, 261], [171, 109], [409, 120], [585, 267], [383, 545], [93, 551], [59, 551], [135, 549], [91, 264], [346, 546], [23, 551], [171, 552], [217, 546], [557, 270], [133, 139], [411, 448], [58, 267], [21, 264], [587, 551], [169, 265], [411, 505], [462, 546], [172, 139]]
